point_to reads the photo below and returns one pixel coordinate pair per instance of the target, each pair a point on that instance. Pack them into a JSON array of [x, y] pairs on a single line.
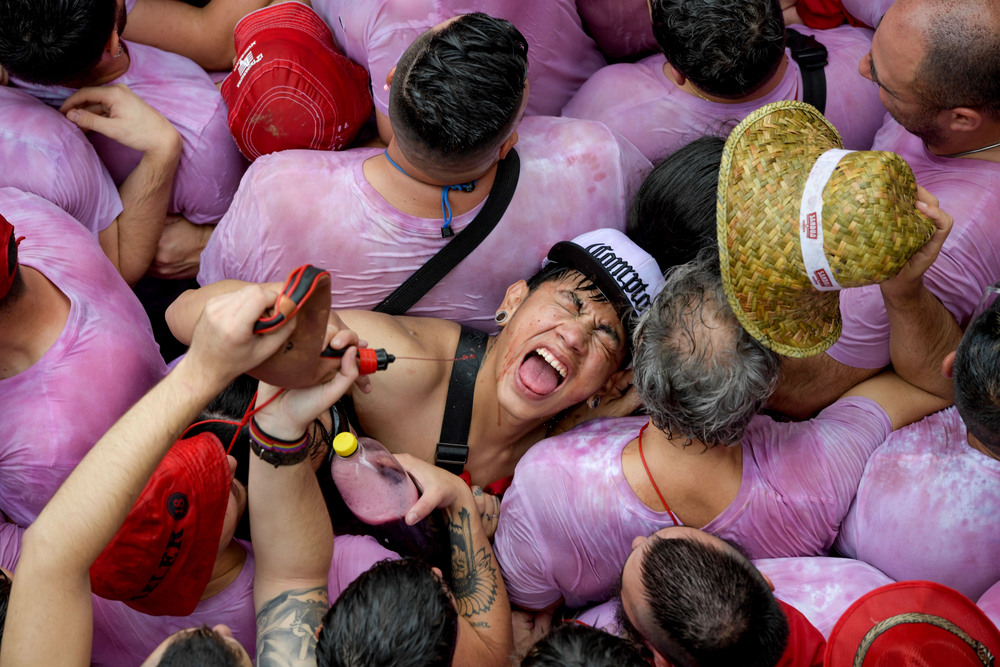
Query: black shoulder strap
[[811, 57], [438, 266], [453, 443]]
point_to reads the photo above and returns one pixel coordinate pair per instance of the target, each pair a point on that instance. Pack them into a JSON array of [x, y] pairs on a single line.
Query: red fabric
[[825, 14], [6, 272], [806, 644], [162, 557], [496, 488], [290, 86], [912, 642], [822, 14]]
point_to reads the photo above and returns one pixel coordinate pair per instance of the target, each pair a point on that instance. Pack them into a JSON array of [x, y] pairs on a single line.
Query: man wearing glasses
[[938, 77]]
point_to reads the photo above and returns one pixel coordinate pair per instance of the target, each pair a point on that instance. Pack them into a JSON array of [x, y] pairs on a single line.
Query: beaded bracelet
[[274, 451]]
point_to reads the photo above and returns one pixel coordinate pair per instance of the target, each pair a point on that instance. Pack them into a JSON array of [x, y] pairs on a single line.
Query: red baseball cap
[[290, 86], [8, 256], [161, 559], [913, 623]]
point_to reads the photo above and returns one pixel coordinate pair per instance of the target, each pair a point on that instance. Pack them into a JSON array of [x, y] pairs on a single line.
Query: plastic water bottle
[[370, 479], [379, 492]]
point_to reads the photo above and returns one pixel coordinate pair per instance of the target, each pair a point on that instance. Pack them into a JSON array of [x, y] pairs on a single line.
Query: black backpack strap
[[811, 57], [453, 443], [463, 243]]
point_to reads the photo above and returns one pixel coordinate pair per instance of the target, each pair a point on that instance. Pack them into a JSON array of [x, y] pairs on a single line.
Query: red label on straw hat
[[811, 220]]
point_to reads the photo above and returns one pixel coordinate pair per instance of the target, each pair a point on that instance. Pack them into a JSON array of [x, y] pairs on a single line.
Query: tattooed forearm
[[474, 576], [286, 628]]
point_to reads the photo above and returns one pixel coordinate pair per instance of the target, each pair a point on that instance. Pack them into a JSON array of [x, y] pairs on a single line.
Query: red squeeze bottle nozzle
[[369, 360]]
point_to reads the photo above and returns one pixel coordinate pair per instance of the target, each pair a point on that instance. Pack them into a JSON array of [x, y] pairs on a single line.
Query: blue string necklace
[[446, 230]]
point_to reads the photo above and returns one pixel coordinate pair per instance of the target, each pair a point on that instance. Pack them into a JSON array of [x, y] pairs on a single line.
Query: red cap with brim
[[290, 86], [913, 623], [161, 559]]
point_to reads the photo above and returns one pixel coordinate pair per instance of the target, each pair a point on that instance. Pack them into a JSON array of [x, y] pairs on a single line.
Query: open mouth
[[541, 372]]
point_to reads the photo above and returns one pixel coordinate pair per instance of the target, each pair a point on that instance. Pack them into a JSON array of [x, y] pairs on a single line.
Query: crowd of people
[[680, 314]]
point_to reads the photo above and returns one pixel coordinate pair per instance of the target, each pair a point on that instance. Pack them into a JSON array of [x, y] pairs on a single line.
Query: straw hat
[[799, 218]]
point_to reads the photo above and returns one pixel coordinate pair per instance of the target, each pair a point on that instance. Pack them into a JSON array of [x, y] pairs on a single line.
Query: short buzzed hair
[[961, 65], [706, 606], [456, 92]]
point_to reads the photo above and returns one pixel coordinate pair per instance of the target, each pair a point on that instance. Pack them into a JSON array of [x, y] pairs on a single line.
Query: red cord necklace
[[652, 481]]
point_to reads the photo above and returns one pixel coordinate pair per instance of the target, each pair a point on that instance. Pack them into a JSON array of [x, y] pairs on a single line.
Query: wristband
[[275, 451]]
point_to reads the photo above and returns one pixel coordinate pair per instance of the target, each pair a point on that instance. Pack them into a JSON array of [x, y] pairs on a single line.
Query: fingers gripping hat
[[290, 86], [798, 218], [913, 623], [628, 276], [161, 559]]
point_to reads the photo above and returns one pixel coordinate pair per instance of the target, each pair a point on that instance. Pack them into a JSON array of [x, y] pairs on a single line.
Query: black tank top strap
[[453, 443]]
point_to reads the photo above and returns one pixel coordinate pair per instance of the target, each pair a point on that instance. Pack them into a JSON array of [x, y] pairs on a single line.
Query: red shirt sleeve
[[805, 643]]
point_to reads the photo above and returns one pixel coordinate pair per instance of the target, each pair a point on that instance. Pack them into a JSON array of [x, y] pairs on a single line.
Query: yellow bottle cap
[[345, 444]]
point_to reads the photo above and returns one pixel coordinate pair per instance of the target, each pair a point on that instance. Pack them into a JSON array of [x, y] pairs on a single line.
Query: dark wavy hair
[[672, 216], [727, 48], [55, 41], [977, 378], [397, 614], [202, 647], [572, 644]]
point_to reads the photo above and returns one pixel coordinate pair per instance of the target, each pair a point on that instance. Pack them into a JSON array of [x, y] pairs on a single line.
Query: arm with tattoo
[[485, 634], [293, 538], [286, 627]]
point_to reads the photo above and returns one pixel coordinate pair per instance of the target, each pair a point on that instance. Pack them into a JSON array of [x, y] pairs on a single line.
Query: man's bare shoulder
[[424, 337]]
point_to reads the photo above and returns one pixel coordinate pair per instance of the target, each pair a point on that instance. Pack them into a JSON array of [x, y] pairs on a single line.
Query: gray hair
[[699, 374]]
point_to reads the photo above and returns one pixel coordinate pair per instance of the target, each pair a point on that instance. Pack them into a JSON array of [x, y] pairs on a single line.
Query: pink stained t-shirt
[[376, 33], [124, 636], [570, 516], [621, 28], [822, 588], [353, 555], [211, 165], [47, 155], [312, 207], [643, 105], [869, 12], [927, 508], [989, 602], [104, 360], [969, 261]]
